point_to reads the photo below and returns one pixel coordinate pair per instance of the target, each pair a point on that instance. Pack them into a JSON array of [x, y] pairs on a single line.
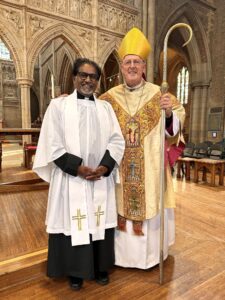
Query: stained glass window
[[4, 52], [182, 85]]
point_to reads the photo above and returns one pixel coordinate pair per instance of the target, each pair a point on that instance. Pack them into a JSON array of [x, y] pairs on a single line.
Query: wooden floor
[[22, 223], [22, 228], [195, 268]]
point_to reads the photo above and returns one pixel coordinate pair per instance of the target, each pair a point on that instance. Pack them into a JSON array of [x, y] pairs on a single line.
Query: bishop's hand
[[166, 103]]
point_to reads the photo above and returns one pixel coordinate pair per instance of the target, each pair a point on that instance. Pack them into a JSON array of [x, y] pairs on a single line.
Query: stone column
[[196, 112], [1, 99], [151, 36], [42, 104], [95, 35], [203, 112], [1, 112], [25, 84], [144, 16]]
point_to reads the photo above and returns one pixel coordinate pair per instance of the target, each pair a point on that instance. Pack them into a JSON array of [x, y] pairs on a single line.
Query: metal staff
[[164, 89]]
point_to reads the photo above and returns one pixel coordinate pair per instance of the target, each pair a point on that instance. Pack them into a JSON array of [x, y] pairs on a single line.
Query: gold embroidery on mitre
[[134, 130]]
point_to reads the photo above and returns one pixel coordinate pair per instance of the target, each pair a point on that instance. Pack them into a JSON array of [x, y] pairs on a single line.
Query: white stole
[[77, 185]]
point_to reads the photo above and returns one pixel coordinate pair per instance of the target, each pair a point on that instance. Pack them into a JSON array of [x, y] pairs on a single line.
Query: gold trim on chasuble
[[134, 131]]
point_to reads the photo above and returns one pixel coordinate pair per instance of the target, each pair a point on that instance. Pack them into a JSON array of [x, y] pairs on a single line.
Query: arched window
[[4, 52], [182, 85]]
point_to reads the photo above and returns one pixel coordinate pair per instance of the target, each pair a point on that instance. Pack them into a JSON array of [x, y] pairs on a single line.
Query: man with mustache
[[138, 105], [80, 144]]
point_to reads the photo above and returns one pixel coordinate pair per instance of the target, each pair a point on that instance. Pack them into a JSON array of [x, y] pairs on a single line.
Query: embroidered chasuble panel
[[134, 130]]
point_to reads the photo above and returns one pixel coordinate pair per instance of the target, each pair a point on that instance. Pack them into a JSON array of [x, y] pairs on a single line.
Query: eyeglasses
[[136, 63], [84, 76]]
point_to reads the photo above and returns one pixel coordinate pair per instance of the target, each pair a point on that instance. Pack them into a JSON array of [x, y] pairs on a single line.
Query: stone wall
[[10, 110], [217, 48], [92, 28]]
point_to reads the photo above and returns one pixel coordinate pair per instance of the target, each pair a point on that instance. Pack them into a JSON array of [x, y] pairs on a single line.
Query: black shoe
[[75, 282], [102, 278]]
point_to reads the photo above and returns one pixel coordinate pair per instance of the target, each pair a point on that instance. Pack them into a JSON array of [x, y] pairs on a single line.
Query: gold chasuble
[[138, 113]]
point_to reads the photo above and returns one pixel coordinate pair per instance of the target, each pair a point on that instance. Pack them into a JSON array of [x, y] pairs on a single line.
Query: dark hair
[[81, 61]]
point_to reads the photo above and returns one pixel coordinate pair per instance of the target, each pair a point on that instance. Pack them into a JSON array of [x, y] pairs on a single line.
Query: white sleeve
[[176, 125], [51, 141]]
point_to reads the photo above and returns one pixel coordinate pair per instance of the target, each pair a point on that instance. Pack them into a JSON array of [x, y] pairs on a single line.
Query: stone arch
[[198, 59], [197, 50], [76, 41], [110, 72], [66, 52], [47, 90], [108, 50], [11, 41], [114, 45], [65, 75]]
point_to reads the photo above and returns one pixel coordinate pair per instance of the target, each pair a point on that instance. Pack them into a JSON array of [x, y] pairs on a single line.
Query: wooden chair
[[188, 150], [209, 143], [29, 152], [185, 165], [200, 150], [216, 151]]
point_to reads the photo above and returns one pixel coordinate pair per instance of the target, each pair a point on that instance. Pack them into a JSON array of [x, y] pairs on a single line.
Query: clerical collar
[[80, 96], [133, 88]]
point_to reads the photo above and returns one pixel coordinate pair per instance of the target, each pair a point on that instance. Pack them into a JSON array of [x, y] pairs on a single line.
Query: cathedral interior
[[40, 40]]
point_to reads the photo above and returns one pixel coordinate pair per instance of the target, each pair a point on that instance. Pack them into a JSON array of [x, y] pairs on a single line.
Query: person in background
[[80, 144], [138, 105]]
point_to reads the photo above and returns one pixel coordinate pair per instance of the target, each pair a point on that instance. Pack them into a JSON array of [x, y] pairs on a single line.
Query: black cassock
[[79, 261]]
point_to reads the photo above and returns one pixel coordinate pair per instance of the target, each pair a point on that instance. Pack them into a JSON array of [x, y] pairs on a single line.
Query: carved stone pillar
[[95, 24], [25, 84], [144, 16], [1, 112], [198, 122], [203, 113], [194, 114]]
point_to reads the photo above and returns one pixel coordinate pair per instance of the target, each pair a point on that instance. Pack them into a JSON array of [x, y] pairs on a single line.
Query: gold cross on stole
[[98, 214], [79, 217]]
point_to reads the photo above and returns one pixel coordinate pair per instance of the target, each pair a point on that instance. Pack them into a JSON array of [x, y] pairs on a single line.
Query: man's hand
[[166, 103], [84, 171], [97, 173]]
